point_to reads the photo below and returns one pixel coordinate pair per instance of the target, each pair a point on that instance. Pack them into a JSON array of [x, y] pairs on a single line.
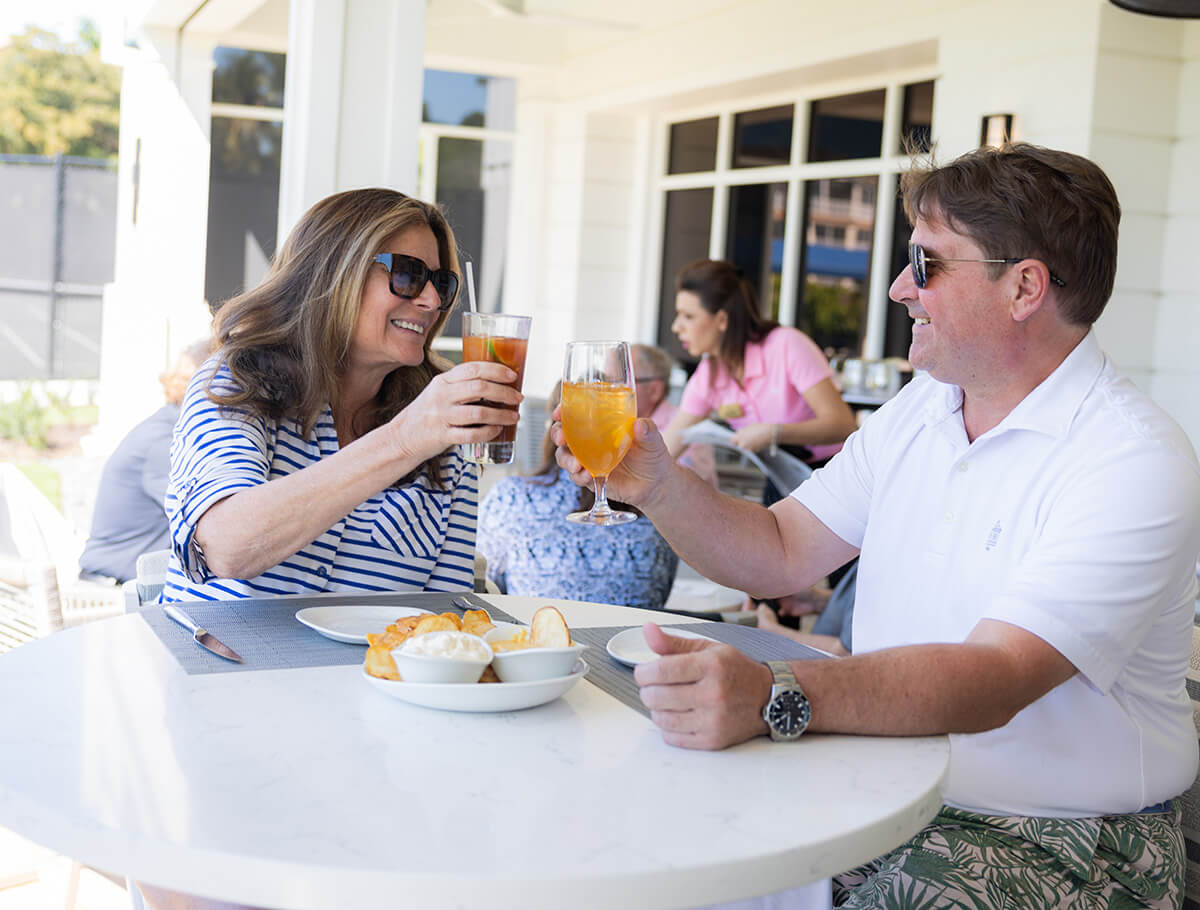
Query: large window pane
[[693, 146], [473, 182], [838, 227], [848, 126], [465, 99], [755, 239], [897, 332], [243, 205], [763, 137], [248, 77], [685, 238], [918, 117]]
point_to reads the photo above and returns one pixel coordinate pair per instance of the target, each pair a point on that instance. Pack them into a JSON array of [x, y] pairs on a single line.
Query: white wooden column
[[352, 102], [155, 304]]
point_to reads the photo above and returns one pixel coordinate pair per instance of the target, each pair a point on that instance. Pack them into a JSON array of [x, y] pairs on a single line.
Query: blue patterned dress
[[533, 550]]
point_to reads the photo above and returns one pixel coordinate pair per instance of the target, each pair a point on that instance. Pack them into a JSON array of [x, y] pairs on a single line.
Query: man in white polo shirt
[[1028, 524]]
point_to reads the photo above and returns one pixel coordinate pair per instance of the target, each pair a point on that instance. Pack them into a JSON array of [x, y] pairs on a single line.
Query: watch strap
[[781, 670]]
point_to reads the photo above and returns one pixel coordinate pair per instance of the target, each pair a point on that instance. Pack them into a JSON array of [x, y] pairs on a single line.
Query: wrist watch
[[787, 712]]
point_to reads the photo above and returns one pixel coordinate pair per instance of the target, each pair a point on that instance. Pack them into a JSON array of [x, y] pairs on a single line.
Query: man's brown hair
[[1025, 200]]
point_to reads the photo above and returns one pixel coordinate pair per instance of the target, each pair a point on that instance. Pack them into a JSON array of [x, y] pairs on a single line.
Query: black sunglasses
[[917, 259], [408, 276]]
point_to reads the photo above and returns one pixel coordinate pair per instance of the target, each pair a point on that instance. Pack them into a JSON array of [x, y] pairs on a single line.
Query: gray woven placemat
[[617, 679], [265, 632]]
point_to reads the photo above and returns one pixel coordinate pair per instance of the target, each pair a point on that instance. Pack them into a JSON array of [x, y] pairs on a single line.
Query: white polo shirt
[[1076, 518]]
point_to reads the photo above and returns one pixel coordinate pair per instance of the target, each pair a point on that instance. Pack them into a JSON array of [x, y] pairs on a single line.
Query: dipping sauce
[[454, 645]]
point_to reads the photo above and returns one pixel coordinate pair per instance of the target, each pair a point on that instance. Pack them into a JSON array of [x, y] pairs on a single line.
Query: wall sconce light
[[996, 130]]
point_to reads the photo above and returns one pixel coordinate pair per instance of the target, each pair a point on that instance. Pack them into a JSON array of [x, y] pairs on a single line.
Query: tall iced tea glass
[[498, 338], [598, 411]]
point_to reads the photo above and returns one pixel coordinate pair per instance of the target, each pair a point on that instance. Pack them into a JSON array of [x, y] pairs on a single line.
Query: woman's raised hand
[[458, 406], [641, 471]]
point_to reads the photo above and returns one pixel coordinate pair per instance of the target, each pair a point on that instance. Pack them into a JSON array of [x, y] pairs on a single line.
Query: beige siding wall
[[1146, 72]]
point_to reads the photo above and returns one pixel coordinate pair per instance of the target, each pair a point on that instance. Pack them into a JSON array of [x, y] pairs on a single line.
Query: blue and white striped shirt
[[408, 538]]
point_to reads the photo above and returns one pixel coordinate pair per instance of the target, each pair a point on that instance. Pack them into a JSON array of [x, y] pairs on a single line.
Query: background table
[[308, 788]]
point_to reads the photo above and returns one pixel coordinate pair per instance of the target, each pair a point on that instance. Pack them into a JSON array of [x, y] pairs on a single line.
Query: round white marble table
[[309, 789]]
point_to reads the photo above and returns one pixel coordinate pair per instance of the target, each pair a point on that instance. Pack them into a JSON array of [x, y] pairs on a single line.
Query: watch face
[[788, 713]]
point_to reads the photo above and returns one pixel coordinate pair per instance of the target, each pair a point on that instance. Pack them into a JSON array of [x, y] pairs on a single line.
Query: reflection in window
[[839, 225], [918, 118], [242, 76], [754, 241], [243, 205], [693, 146], [849, 126], [763, 137], [473, 180], [686, 230], [465, 99]]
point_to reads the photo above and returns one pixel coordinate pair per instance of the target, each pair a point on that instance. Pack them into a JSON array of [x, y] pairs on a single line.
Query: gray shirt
[[129, 518]]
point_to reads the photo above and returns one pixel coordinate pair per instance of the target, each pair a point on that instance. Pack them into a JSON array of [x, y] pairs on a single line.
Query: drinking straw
[[471, 287]]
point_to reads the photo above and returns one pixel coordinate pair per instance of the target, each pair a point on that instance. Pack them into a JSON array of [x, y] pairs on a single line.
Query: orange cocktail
[[598, 411], [497, 338], [597, 419]]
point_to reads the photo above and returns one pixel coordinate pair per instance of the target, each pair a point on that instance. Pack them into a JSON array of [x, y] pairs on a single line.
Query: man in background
[[652, 369], [129, 518]]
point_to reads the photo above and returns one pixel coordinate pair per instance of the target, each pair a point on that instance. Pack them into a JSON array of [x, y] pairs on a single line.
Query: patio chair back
[[783, 469], [152, 574], [530, 432]]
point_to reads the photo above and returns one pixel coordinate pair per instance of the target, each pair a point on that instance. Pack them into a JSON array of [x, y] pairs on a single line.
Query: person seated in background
[[652, 368], [832, 630], [531, 548], [318, 450], [770, 382], [130, 516]]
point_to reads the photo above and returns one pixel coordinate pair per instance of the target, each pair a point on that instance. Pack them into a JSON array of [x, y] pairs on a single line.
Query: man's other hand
[[702, 694]]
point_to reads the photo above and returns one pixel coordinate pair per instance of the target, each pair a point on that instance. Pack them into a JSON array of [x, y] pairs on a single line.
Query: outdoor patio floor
[[34, 878]]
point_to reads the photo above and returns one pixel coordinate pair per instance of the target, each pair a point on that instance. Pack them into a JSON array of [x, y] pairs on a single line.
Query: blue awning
[[834, 261]]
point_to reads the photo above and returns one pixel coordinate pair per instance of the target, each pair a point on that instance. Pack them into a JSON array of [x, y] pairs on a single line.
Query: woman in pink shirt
[[771, 383]]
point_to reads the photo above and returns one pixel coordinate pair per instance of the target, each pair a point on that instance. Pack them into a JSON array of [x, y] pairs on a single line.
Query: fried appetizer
[[477, 622], [443, 622], [378, 661]]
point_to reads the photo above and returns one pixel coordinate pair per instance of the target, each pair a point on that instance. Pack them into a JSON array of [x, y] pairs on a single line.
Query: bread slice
[[549, 629]]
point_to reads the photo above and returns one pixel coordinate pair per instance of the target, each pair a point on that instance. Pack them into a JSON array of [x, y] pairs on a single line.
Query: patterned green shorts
[[989, 862]]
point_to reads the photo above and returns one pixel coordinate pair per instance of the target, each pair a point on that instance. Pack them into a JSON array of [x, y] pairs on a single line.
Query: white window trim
[[246, 112], [428, 135], [795, 173]]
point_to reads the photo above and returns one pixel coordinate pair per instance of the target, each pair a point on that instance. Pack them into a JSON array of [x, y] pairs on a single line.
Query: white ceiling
[[509, 34]]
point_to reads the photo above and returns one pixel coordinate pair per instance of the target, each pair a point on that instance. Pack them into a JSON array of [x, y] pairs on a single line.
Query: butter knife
[[202, 637]]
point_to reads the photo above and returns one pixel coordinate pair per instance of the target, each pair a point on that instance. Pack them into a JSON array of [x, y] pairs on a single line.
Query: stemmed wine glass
[[598, 411]]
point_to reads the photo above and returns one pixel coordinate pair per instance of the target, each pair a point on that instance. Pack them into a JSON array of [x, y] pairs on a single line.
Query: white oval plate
[[699, 595], [351, 624], [479, 697], [630, 648]]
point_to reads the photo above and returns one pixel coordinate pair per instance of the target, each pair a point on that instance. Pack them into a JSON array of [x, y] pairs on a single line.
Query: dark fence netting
[[57, 246]]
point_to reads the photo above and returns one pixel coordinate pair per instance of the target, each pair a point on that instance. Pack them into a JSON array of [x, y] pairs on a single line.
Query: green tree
[[58, 97]]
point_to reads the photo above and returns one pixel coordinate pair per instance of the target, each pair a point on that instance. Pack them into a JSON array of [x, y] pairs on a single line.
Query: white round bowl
[[530, 664], [441, 668]]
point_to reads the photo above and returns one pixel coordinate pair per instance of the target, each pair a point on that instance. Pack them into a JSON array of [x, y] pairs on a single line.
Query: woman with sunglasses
[[771, 383], [316, 450]]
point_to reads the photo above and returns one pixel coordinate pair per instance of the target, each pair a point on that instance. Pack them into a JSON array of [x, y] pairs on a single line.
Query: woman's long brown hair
[[720, 286], [287, 341]]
